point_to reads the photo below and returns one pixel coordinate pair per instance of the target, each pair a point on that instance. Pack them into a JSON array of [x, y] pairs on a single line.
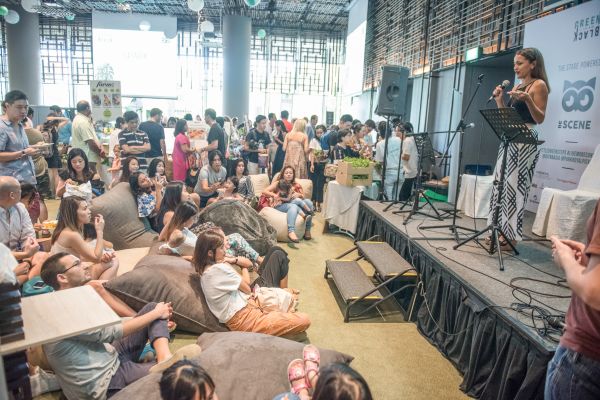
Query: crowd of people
[[45, 162]]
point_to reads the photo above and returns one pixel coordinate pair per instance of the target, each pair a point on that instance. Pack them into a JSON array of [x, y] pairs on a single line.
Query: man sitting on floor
[[16, 231], [97, 364]]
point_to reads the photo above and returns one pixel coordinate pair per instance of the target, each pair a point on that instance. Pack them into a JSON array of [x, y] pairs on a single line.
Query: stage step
[[386, 261], [351, 280]]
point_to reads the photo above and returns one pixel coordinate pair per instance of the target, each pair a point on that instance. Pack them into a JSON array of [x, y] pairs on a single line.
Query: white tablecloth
[[341, 205], [475, 194]]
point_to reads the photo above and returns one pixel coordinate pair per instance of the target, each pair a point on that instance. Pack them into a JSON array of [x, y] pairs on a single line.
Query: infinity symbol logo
[[578, 95]]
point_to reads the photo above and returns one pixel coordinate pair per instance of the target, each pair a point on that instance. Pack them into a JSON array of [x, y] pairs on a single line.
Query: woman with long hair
[[181, 150], [293, 204], [180, 240], [157, 172], [239, 170], [187, 380], [279, 138], [78, 173], [131, 165], [228, 293], [174, 194], [529, 98], [69, 237], [295, 146]]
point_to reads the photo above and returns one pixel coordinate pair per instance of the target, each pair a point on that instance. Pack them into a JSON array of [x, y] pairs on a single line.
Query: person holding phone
[[212, 177]]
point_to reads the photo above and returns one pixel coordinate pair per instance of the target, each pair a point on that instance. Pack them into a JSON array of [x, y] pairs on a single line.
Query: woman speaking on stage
[[529, 99]]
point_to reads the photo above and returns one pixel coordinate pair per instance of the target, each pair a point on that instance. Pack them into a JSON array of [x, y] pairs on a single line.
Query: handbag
[[84, 190], [275, 299]]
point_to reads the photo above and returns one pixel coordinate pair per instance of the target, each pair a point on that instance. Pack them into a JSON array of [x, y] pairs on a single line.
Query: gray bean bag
[[123, 227], [237, 217]]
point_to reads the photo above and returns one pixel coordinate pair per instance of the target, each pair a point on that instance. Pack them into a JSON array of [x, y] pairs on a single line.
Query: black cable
[[551, 323]]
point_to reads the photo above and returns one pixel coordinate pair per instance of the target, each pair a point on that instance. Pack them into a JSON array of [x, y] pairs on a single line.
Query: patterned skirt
[[520, 166]]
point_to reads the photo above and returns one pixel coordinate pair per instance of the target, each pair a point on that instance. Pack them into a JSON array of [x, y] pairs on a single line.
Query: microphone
[[480, 77], [504, 85]]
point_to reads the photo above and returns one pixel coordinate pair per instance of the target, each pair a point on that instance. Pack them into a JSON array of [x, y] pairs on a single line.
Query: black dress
[[54, 161]]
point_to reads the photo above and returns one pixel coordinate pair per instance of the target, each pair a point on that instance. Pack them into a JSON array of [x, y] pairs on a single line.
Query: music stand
[[508, 125], [418, 191]]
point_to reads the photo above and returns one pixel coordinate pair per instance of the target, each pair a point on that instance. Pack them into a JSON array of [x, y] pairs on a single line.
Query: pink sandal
[[312, 361], [297, 376]]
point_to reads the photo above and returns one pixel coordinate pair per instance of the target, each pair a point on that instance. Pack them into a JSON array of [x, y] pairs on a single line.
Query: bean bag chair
[[123, 227], [237, 217], [243, 365], [278, 219]]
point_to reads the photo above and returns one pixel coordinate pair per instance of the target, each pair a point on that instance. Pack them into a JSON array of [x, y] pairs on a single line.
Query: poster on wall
[[106, 100], [569, 41]]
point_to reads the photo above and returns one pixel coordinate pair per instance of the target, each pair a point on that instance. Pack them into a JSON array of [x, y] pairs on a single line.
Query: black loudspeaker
[[392, 91]]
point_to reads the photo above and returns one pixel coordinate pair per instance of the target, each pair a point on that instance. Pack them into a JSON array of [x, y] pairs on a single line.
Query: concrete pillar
[[236, 65], [24, 60]]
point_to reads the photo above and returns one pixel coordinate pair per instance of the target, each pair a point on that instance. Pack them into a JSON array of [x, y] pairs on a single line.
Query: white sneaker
[[43, 382]]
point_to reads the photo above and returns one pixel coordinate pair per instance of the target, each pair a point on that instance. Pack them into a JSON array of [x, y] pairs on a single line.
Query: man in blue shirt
[[345, 123]]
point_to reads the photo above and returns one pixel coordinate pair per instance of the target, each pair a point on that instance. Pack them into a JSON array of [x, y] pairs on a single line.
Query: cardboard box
[[348, 175]]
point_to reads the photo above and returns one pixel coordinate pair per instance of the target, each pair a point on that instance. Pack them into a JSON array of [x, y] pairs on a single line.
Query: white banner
[[106, 100], [570, 43]]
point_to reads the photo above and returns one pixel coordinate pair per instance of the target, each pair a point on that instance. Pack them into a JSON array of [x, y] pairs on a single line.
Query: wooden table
[[58, 315]]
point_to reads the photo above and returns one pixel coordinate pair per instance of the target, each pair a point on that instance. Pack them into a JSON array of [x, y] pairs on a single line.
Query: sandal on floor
[[312, 361], [307, 236], [297, 376], [293, 239]]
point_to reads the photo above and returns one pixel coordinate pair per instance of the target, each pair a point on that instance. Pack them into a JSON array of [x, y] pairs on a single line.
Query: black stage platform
[[496, 348]]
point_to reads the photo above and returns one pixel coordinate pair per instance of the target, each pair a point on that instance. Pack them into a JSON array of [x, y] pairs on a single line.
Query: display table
[[58, 315], [475, 194], [341, 205]]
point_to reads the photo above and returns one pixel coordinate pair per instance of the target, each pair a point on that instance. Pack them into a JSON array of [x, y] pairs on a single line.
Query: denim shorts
[[572, 375]]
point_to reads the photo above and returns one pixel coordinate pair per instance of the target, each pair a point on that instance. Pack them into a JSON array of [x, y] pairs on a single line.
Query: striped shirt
[[138, 138]]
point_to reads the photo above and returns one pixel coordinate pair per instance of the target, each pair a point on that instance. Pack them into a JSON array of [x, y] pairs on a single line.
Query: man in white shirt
[[392, 161], [16, 231], [410, 160], [84, 135]]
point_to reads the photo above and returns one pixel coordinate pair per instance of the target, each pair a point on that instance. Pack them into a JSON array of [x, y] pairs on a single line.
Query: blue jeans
[[572, 375], [292, 209]]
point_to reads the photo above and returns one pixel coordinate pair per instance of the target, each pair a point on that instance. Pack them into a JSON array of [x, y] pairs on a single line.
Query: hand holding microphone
[[498, 90]]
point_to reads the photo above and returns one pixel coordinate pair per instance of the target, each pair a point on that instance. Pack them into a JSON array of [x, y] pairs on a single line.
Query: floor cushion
[[158, 278], [243, 366], [278, 220], [237, 217], [122, 226]]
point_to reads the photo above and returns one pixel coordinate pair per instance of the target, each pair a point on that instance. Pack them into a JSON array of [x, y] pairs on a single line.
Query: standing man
[[156, 136], [216, 135], [134, 142], [84, 135], [285, 115], [311, 127], [257, 142], [15, 153]]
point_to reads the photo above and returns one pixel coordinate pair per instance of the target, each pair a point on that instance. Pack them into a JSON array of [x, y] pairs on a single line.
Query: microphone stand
[[460, 128]]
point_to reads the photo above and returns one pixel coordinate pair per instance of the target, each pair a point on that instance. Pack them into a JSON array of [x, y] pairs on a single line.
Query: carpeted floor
[[396, 361]]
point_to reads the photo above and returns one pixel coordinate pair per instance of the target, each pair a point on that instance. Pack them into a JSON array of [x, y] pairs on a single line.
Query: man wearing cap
[[156, 135]]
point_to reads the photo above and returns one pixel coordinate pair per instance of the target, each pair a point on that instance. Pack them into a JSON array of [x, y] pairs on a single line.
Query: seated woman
[[77, 179], [174, 194], [228, 293], [186, 380], [240, 171], [69, 237], [181, 241], [147, 196], [130, 166], [292, 203], [157, 172], [212, 177]]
